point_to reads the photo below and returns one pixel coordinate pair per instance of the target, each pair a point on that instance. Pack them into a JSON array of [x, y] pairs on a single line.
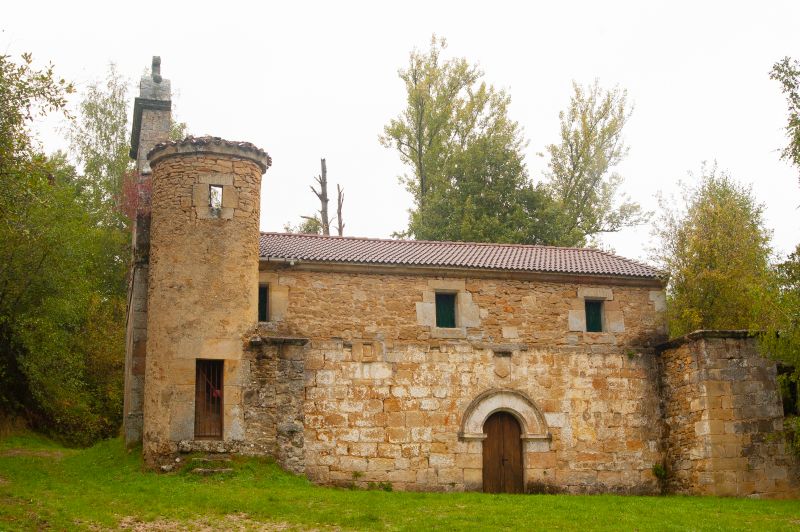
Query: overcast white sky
[[305, 80]]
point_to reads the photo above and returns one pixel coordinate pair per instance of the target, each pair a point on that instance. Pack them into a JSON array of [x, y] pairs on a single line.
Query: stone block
[[230, 197], [200, 196], [576, 320], [595, 293], [509, 332], [473, 479], [659, 300], [615, 321]]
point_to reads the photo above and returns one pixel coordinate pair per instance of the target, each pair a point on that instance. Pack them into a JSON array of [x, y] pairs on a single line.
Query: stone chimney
[[151, 116], [151, 124]]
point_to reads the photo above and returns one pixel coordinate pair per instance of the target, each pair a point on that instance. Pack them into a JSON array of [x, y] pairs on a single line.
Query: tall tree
[[716, 251], [580, 177], [468, 176], [99, 138], [787, 73], [61, 324]]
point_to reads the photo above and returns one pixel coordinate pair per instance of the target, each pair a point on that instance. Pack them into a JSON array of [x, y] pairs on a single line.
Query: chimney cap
[[156, 70]]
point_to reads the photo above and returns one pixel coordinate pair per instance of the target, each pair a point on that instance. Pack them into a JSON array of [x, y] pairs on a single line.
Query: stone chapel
[[424, 365]]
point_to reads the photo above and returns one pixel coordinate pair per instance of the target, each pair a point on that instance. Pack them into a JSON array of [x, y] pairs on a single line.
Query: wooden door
[[502, 454], [208, 399]]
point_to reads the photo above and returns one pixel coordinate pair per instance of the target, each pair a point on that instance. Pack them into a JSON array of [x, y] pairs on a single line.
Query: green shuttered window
[[263, 302], [594, 316], [445, 310]]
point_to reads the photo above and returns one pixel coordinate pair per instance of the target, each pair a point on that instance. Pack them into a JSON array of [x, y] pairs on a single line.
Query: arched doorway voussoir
[[515, 403]]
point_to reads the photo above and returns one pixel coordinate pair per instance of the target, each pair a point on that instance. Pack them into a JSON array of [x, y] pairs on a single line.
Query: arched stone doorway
[[507, 419], [502, 454]]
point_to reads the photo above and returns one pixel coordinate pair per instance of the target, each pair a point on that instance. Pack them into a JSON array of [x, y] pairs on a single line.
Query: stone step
[[211, 459], [208, 471]]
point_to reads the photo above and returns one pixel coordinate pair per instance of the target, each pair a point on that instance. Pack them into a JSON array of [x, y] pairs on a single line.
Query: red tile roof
[[507, 257]]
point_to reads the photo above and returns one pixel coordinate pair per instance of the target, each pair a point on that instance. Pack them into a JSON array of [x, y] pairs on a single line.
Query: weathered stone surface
[[152, 127], [202, 299], [723, 419]]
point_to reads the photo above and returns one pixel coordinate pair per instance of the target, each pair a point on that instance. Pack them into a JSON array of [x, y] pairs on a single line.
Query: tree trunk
[[339, 202], [322, 179]]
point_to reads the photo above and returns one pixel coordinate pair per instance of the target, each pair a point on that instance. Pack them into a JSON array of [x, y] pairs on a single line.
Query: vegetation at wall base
[[46, 486]]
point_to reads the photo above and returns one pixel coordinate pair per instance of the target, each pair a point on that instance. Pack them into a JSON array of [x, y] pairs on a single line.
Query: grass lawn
[[44, 486]]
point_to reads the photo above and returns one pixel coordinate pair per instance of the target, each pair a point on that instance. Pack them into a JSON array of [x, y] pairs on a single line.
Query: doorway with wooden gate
[[502, 454], [208, 400]]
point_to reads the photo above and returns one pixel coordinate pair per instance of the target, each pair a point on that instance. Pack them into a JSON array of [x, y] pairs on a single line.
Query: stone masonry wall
[[150, 127], [723, 418], [202, 288], [386, 394]]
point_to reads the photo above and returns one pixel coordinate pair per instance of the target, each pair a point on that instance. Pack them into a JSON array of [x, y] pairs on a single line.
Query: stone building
[[425, 365]]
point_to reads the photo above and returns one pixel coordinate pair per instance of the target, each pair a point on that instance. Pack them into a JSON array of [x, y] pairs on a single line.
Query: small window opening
[[789, 388], [263, 302], [215, 198], [445, 310], [594, 316], [208, 399]]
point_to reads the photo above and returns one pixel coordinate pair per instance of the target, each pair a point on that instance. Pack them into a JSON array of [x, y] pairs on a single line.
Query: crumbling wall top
[[211, 145]]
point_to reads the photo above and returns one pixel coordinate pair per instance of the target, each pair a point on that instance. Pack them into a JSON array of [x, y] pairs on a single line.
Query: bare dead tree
[[322, 180], [339, 202]]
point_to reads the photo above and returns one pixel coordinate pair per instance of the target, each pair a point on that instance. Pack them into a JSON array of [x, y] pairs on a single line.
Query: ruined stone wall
[[386, 393], [723, 418], [202, 284]]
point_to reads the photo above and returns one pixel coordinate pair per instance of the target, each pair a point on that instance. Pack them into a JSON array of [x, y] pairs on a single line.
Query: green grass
[[43, 485]]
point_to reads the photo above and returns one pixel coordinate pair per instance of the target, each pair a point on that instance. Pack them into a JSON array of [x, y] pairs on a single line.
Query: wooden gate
[[208, 399], [502, 454]]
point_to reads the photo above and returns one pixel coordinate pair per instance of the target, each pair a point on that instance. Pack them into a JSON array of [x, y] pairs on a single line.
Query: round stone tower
[[203, 291]]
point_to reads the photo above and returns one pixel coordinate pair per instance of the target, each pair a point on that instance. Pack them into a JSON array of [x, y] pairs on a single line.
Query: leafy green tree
[[468, 176], [716, 251], [787, 73], [311, 225], [580, 178], [99, 138], [61, 317]]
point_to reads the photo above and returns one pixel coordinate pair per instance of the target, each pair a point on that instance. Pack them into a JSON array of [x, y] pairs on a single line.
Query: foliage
[[791, 429], [104, 487], [311, 225], [716, 251], [61, 276], [468, 176], [782, 336], [469, 180], [787, 73], [659, 471], [100, 138], [579, 179]]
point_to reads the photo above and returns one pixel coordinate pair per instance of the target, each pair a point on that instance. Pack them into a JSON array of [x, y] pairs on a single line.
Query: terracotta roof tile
[[509, 257]]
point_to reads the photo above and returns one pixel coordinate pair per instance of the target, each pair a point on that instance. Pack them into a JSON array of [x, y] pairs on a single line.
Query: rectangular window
[[445, 310], [215, 197], [263, 302], [594, 316], [208, 405]]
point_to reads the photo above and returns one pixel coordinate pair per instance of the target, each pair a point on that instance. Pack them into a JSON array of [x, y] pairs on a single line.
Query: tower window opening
[[215, 198]]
